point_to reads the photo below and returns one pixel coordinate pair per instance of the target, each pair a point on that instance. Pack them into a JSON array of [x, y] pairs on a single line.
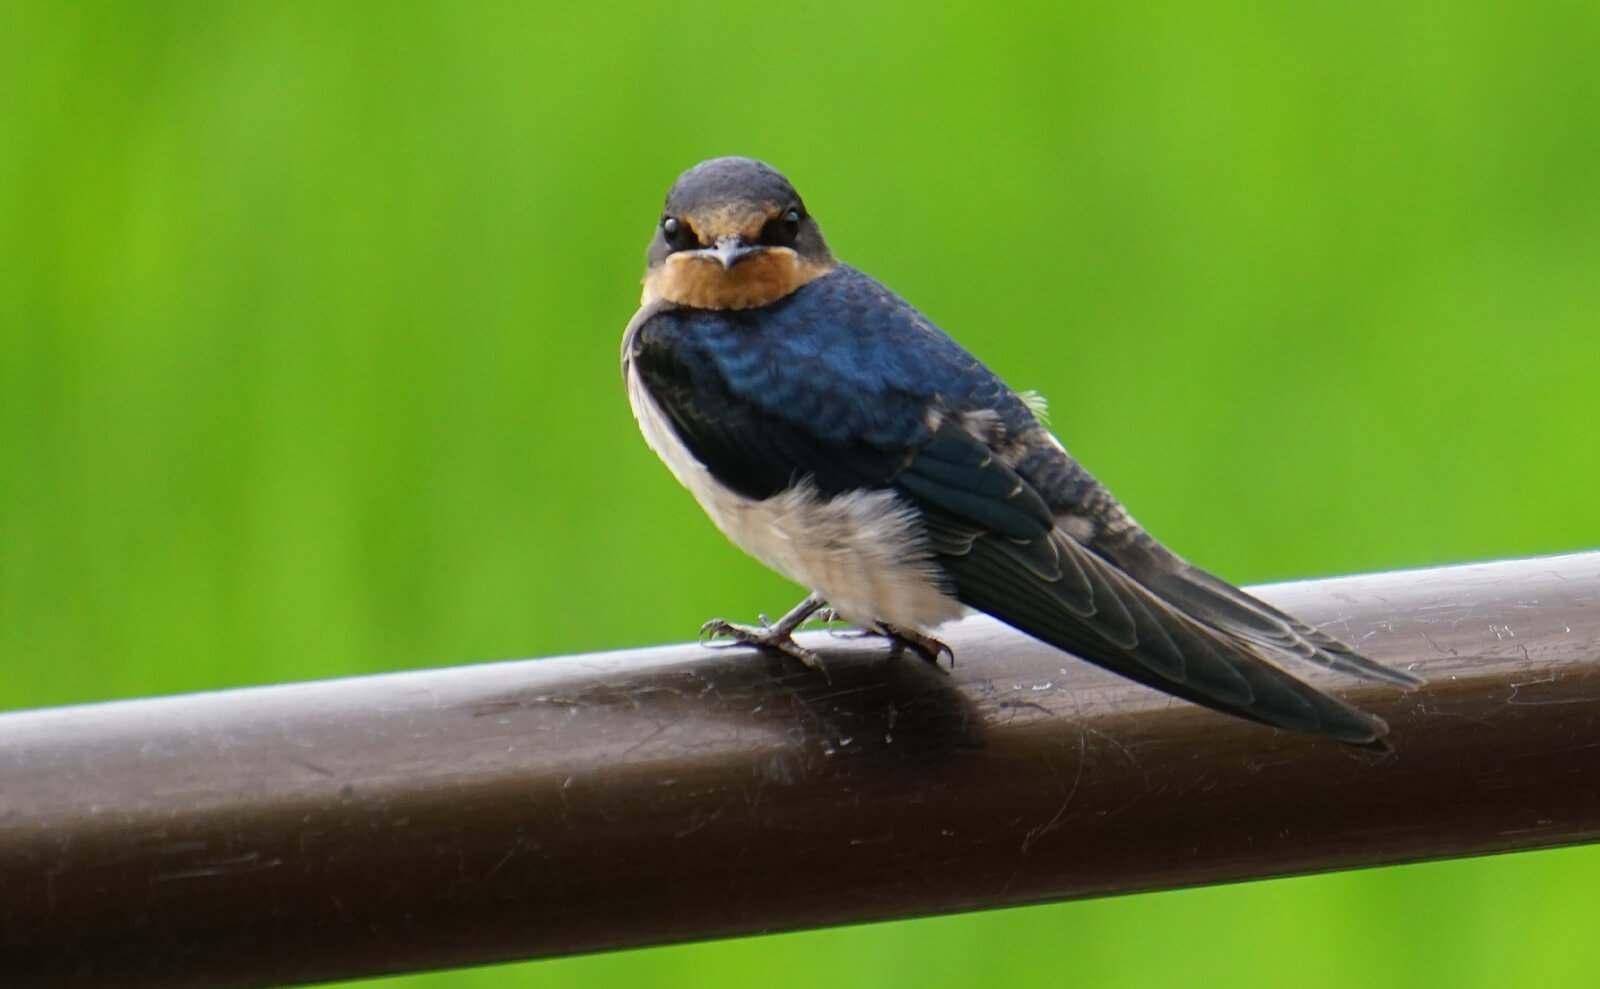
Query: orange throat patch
[[703, 283]]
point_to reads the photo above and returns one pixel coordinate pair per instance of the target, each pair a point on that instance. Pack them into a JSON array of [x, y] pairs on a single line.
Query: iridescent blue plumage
[[842, 354], [846, 385]]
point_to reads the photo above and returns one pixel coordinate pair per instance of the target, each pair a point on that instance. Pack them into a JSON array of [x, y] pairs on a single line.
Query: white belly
[[863, 551]]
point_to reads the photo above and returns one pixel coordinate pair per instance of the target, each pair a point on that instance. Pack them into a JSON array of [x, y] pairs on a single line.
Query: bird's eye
[[782, 230], [678, 235]]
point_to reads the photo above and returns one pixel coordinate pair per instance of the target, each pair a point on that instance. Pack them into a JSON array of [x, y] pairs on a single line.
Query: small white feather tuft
[[1037, 404]]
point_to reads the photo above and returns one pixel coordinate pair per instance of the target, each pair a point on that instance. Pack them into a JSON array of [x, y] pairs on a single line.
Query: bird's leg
[[925, 646], [777, 636]]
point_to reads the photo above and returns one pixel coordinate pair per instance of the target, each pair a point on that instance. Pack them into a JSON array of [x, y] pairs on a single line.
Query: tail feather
[[1058, 591], [1245, 617]]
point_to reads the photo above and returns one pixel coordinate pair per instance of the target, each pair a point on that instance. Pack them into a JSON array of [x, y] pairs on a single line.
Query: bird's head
[[733, 234]]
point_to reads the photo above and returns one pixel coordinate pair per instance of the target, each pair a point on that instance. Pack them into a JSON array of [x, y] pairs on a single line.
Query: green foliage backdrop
[[309, 321]]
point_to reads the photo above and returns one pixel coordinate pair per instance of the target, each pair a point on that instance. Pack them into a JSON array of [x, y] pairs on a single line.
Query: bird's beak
[[729, 251]]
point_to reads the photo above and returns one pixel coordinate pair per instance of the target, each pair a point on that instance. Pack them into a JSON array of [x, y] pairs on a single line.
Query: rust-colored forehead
[[732, 220]]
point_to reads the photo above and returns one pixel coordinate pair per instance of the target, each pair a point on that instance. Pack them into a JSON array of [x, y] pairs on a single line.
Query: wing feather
[[1130, 605]]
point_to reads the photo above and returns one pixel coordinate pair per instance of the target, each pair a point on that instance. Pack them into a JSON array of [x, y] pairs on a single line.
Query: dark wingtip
[[1314, 713], [1358, 728], [1379, 745]]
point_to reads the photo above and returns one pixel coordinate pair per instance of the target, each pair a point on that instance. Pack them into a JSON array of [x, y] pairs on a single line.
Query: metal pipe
[[314, 831]]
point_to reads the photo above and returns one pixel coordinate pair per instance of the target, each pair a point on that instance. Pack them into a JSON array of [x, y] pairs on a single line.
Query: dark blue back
[[843, 357]]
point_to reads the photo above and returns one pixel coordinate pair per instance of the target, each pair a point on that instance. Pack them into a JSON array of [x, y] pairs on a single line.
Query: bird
[[834, 433]]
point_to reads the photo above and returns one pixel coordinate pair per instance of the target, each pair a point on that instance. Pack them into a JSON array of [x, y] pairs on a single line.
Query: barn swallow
[[835, 434]]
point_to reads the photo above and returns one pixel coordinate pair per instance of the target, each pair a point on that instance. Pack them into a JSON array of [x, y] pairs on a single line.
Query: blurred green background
[[309, 325]]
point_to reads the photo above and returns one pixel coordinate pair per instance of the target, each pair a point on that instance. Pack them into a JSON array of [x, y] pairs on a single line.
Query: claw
[[777, 637], [925, 646]]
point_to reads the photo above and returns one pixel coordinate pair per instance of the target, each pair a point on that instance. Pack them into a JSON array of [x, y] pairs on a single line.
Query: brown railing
[[311, 831]]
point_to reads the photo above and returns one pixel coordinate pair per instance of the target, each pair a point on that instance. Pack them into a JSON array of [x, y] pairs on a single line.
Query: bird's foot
[[774, 636], [925, 646], [766, 635]]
